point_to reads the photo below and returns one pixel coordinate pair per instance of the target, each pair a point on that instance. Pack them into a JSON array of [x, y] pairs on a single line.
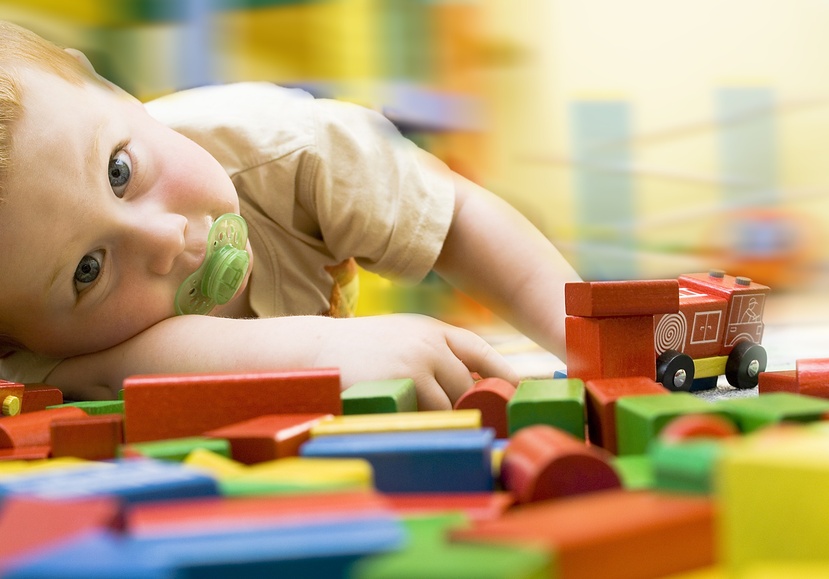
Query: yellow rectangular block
[[770, 490], [299, 473], [14, 467], [708, 367], [399, 422], [218, 466]]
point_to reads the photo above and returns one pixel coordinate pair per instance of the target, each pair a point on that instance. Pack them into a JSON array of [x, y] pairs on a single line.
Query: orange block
[[490, 396], [476, 506], [91, 437], [782, 381], [610, 347], [610, 534], [267, 437], [39, 396], [603, 299], [542, 462], [600, 400], [33, 428], [813, 376], [158, 407]]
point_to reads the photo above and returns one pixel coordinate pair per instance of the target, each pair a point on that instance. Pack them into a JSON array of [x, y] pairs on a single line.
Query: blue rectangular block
[[427, 461], [130, 480]]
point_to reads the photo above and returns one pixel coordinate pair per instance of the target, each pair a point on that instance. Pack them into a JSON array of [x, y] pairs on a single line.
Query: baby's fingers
[[479, 356]]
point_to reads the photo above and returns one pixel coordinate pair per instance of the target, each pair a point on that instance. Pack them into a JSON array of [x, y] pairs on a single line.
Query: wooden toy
[[687, 466], [614, 299], [217, 465], [475, 506], [542, 462], [380, 396], [558, 403], [11, 396], [609, 534], [94, 407], [268, 437], [610, 347], [490, 396], [601, 397], [693, 426], [174, 449], [40, 396], [635, 471], [760, 411], [297, 474], [810, 377], [423, 461], [398, 422], [32, 428], [175, 406], [91, 437]]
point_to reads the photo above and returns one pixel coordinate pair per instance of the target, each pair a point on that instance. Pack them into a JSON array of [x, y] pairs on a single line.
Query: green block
[[640, 419], [685, 466], [635, 470], [95, 407], [380, 396], [557, 402], [758, 411], [177, 449], [429, 554], [241, 487]]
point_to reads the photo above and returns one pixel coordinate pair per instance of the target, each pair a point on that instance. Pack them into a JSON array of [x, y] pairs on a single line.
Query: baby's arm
[[437, 356], [497, 256]]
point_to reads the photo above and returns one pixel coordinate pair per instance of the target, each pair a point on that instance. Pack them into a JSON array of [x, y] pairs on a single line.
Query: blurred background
[[646, 138]]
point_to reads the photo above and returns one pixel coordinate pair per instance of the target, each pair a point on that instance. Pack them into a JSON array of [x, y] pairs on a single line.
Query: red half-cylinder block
[[490, 396], [158, 407], [33, 428], [690, 426], [541, 462]]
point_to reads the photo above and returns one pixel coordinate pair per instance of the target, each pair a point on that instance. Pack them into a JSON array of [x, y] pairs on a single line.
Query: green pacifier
[[223, 270]]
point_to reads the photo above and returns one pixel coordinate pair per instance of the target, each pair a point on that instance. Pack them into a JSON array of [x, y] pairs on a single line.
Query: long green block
[[685, 466], [95, 407], [176, 449], [430, 555], [380, 396], [640, 419], [758, 411], [557, 402]]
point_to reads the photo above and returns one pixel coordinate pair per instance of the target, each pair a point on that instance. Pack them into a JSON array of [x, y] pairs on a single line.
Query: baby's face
[[105, 212]]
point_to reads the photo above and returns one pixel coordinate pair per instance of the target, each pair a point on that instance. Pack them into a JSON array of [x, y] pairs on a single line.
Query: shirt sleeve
[[27, 367]]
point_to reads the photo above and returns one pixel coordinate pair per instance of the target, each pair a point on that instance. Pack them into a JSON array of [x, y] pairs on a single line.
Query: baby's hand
[[437, 356]]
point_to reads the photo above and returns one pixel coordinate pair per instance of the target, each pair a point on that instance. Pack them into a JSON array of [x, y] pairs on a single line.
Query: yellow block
[[15, 467], [220, 467], [399, 422], [300, 472], [708, 367], [770, 490]]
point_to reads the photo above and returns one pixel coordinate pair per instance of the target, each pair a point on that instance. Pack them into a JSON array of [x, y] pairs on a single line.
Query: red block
[[32, 429], [600, 400], [39, 396], [267, 437], [476, 506], [604, 299], [610, 347], [783, 381], [26, 453], [698, 426], [542, 462], [91, 438], [490, 396], [610, 534], [174, 406], [813, 377], [29, 525]]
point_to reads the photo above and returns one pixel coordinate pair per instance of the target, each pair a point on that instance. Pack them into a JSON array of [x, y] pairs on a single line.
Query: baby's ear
[[81, 58]]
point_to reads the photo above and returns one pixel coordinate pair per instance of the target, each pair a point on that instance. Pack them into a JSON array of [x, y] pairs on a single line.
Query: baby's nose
[[161, 240]]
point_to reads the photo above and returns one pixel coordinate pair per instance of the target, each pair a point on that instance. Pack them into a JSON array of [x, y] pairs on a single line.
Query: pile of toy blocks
[[282, 474]]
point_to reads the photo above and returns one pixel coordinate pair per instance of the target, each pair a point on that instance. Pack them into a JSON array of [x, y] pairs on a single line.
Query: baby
[[113, 213]]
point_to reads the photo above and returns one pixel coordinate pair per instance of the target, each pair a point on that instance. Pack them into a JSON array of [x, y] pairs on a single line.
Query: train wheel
[[675, 371], [745, 362]]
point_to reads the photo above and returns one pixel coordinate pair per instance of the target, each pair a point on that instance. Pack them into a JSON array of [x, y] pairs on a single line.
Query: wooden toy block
[[693, 426], [759, 411], [769, 495], [558, 403], [131, 481], [609, 534], [268, 437], [424, 461], [174, 449], [610, 347], [25, 453], [24, 532], [428, 555], [635, 471], [640, 419], [218, 466], [299, 474], [11, 398], [380, 396], [781, 381], [92, 437], [175, 406], [32, 428], [813, 376], [686, 467], [490, 396], [542, 462], [398, 422], [600, 401], [40, 396], [610, 299], [95, 407], [474, 506]]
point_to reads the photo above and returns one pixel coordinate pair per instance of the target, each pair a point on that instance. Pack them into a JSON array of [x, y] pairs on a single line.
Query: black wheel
[[745, 362], [675, 371]]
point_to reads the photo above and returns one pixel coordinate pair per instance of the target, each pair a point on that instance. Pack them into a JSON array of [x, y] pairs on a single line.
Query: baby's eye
[[87, 271], [120, 169]]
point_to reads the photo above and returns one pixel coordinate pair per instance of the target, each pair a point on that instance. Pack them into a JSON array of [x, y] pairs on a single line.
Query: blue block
[[132, 480], [428, 461], [320, 548]]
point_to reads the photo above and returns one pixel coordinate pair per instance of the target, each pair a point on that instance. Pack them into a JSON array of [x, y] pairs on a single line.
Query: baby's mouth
[[223, 270]]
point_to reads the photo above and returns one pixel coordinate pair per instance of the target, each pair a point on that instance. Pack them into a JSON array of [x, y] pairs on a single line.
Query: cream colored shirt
[[321, 183]]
